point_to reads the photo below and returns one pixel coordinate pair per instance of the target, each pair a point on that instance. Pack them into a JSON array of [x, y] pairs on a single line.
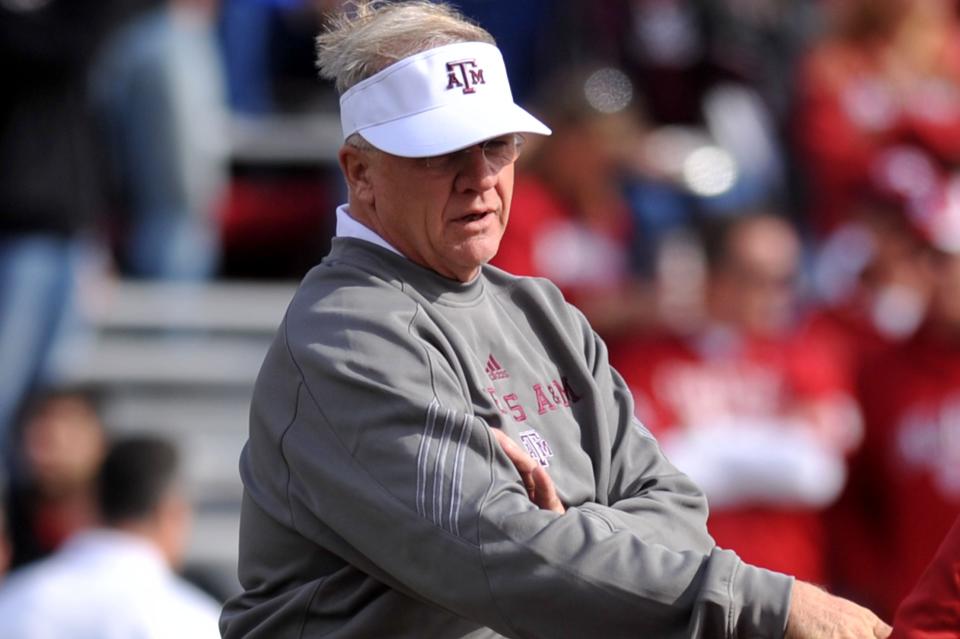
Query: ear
[[356, 166]]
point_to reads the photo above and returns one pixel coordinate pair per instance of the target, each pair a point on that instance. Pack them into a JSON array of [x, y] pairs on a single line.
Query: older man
[[440, 449]]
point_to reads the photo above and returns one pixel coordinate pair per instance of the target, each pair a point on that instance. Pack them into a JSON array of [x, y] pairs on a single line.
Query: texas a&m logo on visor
[[464, 74]]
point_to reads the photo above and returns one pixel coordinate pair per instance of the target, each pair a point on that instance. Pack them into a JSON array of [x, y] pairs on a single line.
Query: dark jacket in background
[[50, 180]]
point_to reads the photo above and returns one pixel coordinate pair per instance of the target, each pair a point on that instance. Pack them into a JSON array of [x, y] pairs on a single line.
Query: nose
[[476, 173]]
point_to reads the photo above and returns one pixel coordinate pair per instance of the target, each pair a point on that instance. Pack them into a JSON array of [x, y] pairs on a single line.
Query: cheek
[[507, 204], [505, 190]]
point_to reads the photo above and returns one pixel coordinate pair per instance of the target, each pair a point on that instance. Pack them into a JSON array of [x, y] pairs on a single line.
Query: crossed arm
[[408, 453], [814, 613]]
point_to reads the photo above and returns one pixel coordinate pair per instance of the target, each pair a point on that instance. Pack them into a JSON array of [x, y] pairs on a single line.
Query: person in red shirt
[[906, 478], [873, 282], [873, 285], [755, 416], [50, 497], [576, 228], [932, 610], [887, 74]]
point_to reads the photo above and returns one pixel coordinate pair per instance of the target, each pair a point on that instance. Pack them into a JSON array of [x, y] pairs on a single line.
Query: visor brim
[[450, 128]]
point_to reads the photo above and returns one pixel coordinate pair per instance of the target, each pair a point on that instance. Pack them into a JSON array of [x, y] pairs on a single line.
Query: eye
[[441, 161], [499, 148]]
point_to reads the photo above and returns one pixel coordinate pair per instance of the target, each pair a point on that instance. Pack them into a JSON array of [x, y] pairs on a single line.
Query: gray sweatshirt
[[377, 502]]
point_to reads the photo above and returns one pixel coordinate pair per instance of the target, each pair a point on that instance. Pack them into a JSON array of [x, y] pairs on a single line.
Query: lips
[[473, 217]]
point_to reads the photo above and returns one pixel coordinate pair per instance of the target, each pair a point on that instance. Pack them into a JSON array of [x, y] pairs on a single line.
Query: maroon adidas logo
[[494, 370], [459, 76]]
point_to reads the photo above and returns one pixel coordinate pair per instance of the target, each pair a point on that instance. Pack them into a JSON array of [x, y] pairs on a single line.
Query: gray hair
[[370, 35]]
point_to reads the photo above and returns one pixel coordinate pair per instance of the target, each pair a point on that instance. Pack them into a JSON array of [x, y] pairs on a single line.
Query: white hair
[[370, 35]]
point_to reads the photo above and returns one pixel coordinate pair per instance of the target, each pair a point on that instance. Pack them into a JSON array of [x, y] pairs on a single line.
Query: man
[[440, 449], [908, 470], [115, 582], [50, 187], [159, 90], [754, 413]]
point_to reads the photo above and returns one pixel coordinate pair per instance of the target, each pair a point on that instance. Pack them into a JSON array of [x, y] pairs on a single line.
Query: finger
[[546, 496], [521, 461]]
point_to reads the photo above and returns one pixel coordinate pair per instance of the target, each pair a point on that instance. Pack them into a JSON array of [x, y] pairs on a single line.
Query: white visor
[[435, 102]]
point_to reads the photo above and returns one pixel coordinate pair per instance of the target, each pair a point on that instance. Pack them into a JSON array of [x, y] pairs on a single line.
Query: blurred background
[[755, 202]]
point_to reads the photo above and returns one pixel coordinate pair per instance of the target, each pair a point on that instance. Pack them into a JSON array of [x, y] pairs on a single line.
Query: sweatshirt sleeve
[[377, 453], [645, 491]]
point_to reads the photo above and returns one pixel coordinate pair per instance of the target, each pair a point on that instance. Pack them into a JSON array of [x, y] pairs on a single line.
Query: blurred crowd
[[756, 203]]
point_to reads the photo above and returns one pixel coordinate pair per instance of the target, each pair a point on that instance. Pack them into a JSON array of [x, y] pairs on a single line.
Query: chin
[[478, 248], [488, 255]]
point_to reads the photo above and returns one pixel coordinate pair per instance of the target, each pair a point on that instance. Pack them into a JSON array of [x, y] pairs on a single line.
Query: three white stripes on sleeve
[[435, 499]]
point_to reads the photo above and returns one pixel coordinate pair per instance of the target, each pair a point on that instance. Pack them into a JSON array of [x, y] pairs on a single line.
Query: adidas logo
[[495, 370]]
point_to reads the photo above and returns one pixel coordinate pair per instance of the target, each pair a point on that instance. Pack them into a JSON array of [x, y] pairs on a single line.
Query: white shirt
[[104, 585], [347, 226]]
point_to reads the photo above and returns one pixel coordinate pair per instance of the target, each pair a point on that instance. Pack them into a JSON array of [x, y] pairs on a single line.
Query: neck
[[151, 532], [366, 216]]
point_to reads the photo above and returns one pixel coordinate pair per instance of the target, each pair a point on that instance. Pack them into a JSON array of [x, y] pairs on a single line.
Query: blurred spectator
[[116, 582], [906, 479], [51, 493], [712, 97], [932, 610], [756, 418], [676, 50], [50, 186], [873, 278], [888, 73], [758, 42], [663, 46], [873, 281], [570, 222], [160, 89]]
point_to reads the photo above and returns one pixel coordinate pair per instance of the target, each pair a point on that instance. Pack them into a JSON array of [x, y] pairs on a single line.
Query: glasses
[[498, 153]]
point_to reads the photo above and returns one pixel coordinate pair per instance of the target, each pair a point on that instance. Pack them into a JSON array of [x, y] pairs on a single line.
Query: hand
[[540, 487], [816, 614]]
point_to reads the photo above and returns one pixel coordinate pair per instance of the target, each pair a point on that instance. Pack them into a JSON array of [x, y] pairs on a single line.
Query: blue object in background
[[245, 27], [518, 28]]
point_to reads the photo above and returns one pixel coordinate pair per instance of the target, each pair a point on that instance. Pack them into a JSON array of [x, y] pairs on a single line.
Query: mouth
[[473, 217]]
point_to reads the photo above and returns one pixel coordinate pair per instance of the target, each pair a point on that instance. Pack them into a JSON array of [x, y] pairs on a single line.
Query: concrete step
[[171, 359], [222, 307]]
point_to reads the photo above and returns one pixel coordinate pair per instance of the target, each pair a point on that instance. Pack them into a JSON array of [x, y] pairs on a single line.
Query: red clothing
[[681, 386], [932, 610], [546, 238], [906, 479], [848, 112], [851, 338]]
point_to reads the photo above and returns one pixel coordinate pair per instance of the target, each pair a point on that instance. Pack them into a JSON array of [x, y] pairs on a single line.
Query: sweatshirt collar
[[406, 274]]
